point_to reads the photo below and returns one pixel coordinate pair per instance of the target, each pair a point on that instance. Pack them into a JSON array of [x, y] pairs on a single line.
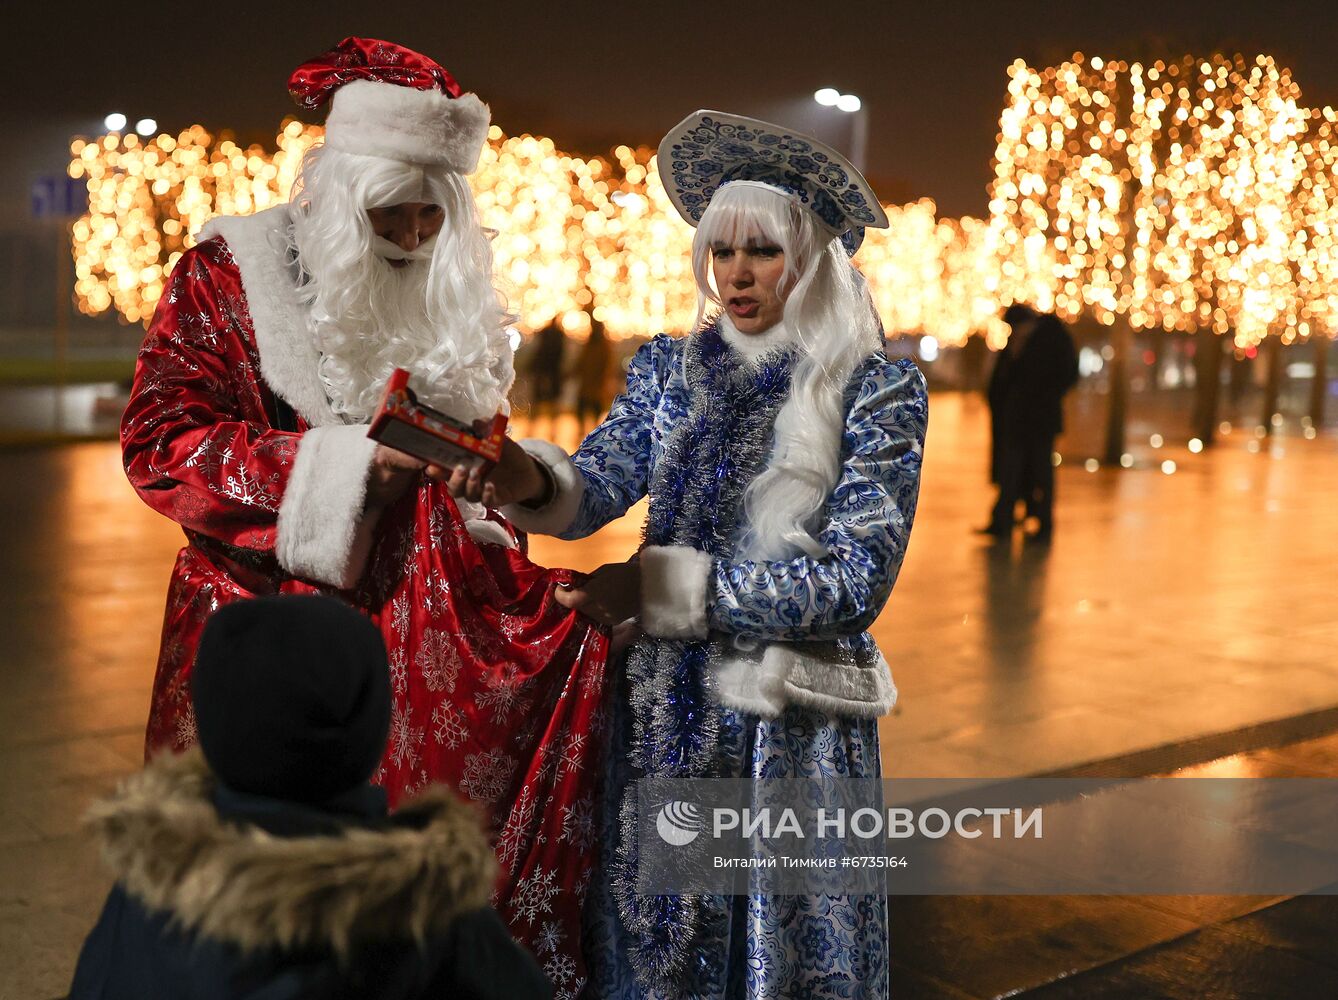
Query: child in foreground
[[264, 863]]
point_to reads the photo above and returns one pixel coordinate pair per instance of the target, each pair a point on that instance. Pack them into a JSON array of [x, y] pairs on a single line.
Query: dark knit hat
[[292, 696]]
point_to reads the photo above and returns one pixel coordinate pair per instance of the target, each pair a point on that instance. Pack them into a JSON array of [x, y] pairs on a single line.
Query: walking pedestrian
[[592, 377], [1026, 393], [544, 369]]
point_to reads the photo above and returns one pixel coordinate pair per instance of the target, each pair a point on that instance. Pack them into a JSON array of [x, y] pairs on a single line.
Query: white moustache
[[387, 250]]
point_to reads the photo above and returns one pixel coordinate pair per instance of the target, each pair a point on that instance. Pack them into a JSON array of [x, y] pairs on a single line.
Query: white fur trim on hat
[[412, 126], [674, 579]]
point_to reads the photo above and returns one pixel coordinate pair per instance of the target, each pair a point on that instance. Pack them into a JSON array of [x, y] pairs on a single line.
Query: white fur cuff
[[557, 515], [487, 532], [673, 591], [808, 674], [323, 534]]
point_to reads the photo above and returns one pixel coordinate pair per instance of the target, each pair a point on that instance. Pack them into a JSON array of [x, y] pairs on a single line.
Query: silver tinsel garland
[[696, 499]]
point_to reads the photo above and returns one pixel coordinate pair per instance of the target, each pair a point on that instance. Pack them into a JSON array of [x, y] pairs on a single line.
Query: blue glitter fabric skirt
[[770, 946]]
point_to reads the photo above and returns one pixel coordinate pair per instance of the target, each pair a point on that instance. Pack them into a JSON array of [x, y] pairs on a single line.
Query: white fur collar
[[752, 346], [289, 361], [230, 881]]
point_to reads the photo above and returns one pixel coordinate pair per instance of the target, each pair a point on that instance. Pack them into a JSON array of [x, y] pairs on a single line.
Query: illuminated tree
[[933, 276], [1196, 197], [1315, 251], [575, 237], [640, 250], [527, 193], [1151, 197], [147, 199]]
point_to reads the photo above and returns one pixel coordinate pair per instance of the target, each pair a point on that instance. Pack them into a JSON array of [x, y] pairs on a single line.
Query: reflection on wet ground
[[1167, 607], [1123, 947]]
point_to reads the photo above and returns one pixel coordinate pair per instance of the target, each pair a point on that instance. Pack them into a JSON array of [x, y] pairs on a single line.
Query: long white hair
[[831, 317], [440, 317]]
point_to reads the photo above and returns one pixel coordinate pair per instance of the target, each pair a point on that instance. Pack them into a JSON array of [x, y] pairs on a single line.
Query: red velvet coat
[[497, 689]]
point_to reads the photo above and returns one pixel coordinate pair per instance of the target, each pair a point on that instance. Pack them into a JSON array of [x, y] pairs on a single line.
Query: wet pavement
[[1126, 947], [1168, 608]]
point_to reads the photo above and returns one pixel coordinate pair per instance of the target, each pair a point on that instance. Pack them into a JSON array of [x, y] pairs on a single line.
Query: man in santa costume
[[265, 360]]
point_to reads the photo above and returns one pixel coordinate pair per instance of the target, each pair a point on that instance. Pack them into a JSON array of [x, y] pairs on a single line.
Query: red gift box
[[403, 423]]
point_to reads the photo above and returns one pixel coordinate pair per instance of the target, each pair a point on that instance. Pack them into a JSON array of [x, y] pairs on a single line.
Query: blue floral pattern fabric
[[868, 516], [710, 149], [761, 946], [764, 946]]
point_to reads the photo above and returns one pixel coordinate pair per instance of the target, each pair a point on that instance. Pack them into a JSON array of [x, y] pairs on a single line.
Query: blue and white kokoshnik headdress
[[709, 149]]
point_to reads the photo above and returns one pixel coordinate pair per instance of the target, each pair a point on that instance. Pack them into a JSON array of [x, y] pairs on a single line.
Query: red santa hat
[[392, 102]]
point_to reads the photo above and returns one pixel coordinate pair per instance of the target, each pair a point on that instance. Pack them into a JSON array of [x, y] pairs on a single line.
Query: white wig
[[832, 320], [440, 318]]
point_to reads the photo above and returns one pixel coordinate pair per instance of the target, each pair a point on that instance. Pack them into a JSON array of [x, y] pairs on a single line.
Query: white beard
[[438, 316], [357, 359]]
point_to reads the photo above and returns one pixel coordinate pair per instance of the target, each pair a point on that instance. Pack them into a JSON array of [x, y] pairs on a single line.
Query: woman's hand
[[514, 478], [392, 473], [610, 595]]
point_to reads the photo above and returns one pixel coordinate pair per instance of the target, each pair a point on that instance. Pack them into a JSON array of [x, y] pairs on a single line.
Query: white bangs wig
[[832, 320], [452, 337]]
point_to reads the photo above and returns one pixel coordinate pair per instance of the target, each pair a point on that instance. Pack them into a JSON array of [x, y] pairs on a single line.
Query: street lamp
[[114, 121], [830, 97], [146, 127]]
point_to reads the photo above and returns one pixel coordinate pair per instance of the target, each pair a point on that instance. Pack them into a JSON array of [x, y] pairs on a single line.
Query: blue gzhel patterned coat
[[797, 629]]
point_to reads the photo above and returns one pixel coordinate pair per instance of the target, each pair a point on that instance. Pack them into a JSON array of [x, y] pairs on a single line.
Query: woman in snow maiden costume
[[781, 452]]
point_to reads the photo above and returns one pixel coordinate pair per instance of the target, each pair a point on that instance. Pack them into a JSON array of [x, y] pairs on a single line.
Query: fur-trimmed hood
[[168, 847]]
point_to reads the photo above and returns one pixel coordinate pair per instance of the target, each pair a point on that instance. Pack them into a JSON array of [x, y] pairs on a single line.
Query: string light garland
[[1181, 196], [1314, 250], [575, 237]]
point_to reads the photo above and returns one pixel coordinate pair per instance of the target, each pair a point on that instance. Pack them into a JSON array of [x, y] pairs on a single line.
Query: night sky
[[592, 75]]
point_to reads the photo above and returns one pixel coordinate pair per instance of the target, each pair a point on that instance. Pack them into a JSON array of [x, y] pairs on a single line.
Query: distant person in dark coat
[[1026, 395], [592, 377], [545, 368], [263, 863]]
